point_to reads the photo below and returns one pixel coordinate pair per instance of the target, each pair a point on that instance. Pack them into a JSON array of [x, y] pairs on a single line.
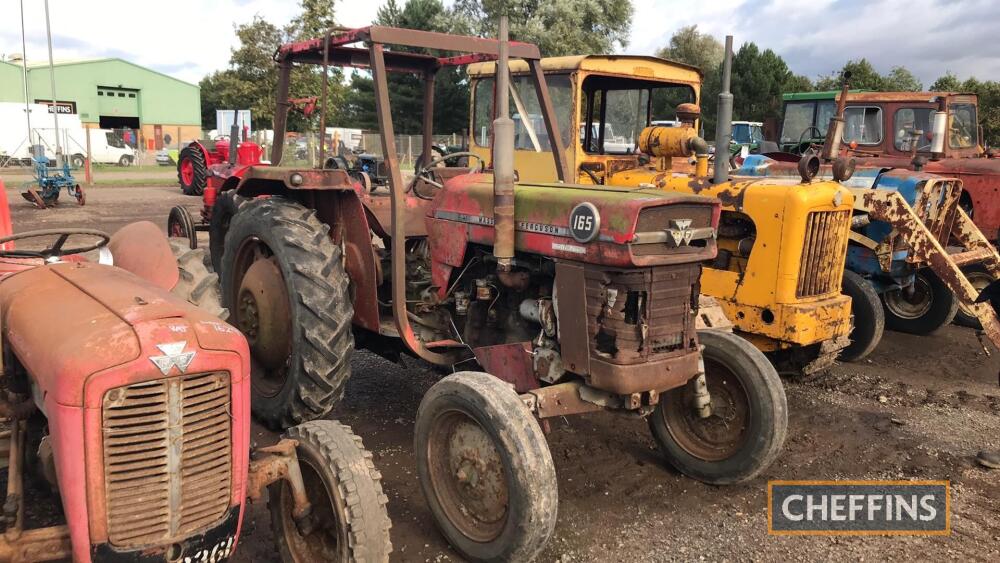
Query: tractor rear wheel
[[192, 170], [931, 305], [181, 225], [485, 469], [283, 280], [222, 214], [979, 278], [196, 284], [868, 317], [350, 520], [746, 428]]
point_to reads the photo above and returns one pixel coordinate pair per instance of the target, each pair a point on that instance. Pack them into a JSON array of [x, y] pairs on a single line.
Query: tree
[[900, 79], [558, 27], [947, 83], [759, 78], [688, 45]]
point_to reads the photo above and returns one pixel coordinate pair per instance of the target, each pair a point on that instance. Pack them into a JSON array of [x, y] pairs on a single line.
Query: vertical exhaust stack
[[835, 130], [503, 162], [724, 122], [939, 129]]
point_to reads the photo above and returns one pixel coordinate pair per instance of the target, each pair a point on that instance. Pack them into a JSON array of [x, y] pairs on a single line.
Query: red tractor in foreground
[[547, 300], [132, 406]]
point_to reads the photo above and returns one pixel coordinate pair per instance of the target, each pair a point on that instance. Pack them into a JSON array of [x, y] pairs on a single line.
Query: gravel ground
[[920, 407]]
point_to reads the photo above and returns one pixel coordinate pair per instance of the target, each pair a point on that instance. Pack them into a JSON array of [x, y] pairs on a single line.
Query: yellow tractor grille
[[823, 253], [167, 457]]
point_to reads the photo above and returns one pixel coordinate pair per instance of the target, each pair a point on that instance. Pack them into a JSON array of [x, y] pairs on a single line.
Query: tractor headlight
[[296, 179]]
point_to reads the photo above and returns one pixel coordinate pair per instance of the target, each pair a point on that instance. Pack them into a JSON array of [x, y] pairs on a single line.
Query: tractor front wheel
[[181, 225], [196, 284], [284, 282], [745, 426], [485, 469], [222, 214], [349, 520], [867, 314], [192, 170], [979, 277], [927, 308]]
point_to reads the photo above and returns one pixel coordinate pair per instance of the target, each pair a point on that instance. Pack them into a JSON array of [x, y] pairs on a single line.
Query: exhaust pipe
[[835, 130], [939, 129], [724, 122], [503, 162]]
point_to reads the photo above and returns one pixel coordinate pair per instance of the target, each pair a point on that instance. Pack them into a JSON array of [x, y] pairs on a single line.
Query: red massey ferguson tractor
[[552, 300], [128, 408], [203, 164]]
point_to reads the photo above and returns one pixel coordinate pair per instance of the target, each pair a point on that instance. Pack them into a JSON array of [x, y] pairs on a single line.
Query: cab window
[[962, 128], [801, 117], [913, 129], [616, 111], [863, 125], [525, 110]]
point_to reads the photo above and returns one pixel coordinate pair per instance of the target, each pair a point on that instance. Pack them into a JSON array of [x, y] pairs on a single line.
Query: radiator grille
[[637, 315], [823, 253], [167, 457]]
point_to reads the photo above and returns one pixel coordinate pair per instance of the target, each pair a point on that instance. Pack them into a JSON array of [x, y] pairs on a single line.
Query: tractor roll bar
[[332, 49]]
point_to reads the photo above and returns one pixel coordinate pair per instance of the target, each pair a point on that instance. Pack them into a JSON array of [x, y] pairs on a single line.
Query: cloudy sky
[[190, 38]]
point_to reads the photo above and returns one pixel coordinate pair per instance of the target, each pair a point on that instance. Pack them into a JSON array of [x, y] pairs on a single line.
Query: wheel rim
[[263, 314], [722, 434], [177, 230], [327, 541], [910, 306], [979, 280], [187, 171], [467, 476]]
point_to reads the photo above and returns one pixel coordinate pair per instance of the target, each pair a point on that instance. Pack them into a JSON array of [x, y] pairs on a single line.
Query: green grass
[[136, 182]]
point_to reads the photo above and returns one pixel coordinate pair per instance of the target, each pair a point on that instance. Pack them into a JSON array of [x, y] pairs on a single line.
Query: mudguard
[[143, 249]]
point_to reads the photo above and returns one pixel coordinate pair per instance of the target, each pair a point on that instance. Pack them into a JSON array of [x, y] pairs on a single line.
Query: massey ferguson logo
[[173, 356], [680, 232]]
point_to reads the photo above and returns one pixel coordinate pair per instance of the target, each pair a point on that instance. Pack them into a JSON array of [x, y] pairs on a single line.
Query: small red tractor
[[548, 300], [129, 407]]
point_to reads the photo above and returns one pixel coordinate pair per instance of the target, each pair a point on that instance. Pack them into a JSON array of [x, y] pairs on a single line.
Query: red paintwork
[[141, 249], [187, 171], [110, 322], [511, 363]]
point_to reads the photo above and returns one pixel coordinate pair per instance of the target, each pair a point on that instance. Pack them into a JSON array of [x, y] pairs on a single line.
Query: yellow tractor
[[631, 121]]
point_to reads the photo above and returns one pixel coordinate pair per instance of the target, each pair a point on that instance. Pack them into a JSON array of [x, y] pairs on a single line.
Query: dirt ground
[[920, 407]]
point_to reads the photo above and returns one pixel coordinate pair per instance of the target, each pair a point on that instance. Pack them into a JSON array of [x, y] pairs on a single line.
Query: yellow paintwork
[[752, 290]]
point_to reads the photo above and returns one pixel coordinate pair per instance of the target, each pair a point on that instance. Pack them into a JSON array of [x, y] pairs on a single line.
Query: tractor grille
[[167, 457], [823, 253], [637, 315]]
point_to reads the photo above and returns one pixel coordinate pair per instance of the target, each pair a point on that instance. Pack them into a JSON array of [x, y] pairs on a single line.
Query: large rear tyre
[[485, 469], [749, 415], [223, 211], [284, 282], [868, 317], [196, 284], [979, 277], [181, 225], [351, 523], [931, 305], [192, 170]]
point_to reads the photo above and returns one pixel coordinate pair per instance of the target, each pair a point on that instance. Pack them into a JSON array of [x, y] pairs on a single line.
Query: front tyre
[[351, 523], [192, 170], [195, 283], [979, 277], [930, 306], [868, 317], [749, 415], [485, 469], [223, 210], [181, 225], [284, 283]]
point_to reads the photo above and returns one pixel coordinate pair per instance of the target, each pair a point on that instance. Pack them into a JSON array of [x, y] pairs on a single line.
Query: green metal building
[[112, 94]]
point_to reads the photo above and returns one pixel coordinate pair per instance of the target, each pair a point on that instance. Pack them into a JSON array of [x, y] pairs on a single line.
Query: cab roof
[[871, 96], [638, 66]]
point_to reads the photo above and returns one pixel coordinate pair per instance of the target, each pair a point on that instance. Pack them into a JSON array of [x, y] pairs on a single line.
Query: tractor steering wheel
[[56, 249], [425, 172], [802, 137]]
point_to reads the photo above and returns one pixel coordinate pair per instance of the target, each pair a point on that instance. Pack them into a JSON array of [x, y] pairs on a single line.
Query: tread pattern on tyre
[[225, 207], [322, 311], [360, 485], [196, 284], [874, 305], [513, 423], [197, 158]]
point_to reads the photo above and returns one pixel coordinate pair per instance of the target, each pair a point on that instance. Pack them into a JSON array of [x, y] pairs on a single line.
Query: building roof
[[36, 65]]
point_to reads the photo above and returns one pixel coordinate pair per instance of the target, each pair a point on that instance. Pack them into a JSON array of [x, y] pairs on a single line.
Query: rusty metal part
[[563, 399], [826, 356], [518, 281], [13, 505], [925, 245], [835, 130], [669, 142], [711, 315], [168, 443], [41, 544], [282, 104], [467, 474], [503, 162], [824, 252], [279, 462], [262, 313]]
